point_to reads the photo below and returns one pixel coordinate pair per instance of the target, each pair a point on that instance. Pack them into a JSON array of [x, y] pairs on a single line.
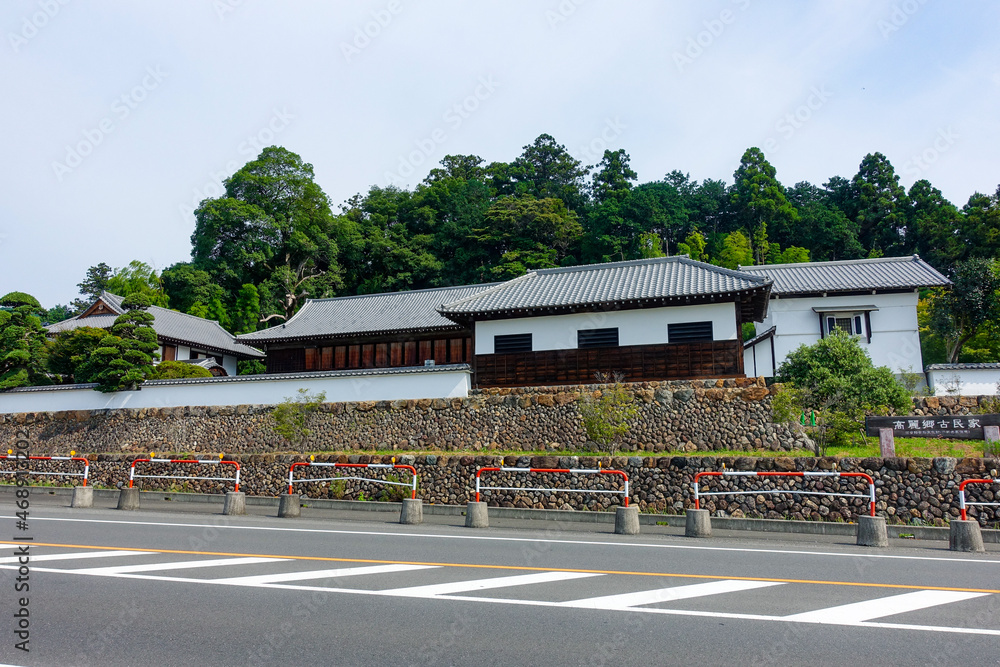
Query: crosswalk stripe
[[671, 594], [434, 590], [320, 574], [74, 556], [858, 612], [150, 567]]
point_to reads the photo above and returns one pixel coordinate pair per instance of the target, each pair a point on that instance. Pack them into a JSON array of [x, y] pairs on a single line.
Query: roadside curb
[[673, 520]]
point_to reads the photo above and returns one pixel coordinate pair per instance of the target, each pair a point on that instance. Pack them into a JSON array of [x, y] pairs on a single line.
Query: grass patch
[[915, 448]]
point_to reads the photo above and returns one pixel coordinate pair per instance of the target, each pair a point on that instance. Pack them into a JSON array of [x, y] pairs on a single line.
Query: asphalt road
[[183, 588]]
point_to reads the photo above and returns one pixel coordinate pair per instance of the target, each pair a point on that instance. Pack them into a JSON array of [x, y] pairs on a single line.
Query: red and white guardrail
[[962, 502], [132, 476], [298, 464], [573, 471], [86, 466], [870, 496]]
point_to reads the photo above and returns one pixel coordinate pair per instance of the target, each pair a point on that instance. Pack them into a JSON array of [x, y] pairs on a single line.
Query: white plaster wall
[[229, 363], [895, 338], [647, 326], [183, 352], [763, 366], [225, 391], [966, 382]]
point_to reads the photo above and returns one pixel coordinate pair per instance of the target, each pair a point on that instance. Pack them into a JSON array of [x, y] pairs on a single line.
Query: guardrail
[[133, 476], [85, 474], [308, 464], [870, 496], [574, 471], [962, 502]]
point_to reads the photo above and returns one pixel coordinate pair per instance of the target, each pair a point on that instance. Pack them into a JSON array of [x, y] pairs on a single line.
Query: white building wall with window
[[645, 326], [894, 335]]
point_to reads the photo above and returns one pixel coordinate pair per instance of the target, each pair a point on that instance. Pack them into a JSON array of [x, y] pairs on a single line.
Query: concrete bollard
[[476, 515], [289, 505], [965, 536], [236, 503], [83, 496], [872, 532], [627, 520], [698, 524], [128, 499], [412, 511]]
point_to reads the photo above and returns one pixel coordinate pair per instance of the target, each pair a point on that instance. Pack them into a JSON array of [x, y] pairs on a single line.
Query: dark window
[[512, 343], [586, 338], [689, 332]]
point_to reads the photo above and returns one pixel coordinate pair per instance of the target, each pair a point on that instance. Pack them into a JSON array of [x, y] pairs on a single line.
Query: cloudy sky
[[118, 117]]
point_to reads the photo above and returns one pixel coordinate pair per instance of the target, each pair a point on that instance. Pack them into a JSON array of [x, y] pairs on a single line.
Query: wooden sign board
[[961, 427]]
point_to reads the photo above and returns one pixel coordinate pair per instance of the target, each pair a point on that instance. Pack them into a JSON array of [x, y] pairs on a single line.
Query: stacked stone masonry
[[915, 491], [674, 416]]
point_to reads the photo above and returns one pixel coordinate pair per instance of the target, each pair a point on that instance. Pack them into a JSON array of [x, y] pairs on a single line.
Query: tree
[[176, 370], [736, 251], [694, 247], [932, 227], [138, 278], [881, 206], [980, 227], [274, 229], [125, 357], [93, 285], [836, 377], [546, 170], [185, 285], [608, 417], [614, 177], [290, 418], [972, 303], [524, 233], [759, 202], [70, 351], [58, 313], [246, 314], [22, 341]]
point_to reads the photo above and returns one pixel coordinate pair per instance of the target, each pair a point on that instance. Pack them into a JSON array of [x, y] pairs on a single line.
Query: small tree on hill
[[289, 418], [125, 358], [22, 341], [606, 419]]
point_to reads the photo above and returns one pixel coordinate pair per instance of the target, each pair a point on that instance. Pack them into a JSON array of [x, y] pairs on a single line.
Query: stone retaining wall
[[677, 416], [919, 491]]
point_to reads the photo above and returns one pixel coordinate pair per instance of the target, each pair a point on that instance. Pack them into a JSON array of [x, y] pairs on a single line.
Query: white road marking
[[435, 590], [858, 612], [668, 594], [74, 556], [488, 538], [541, 603], [321, 574], [185, 565]]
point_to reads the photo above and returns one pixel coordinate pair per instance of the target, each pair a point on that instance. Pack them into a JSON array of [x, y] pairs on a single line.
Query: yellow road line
[[484, 566]]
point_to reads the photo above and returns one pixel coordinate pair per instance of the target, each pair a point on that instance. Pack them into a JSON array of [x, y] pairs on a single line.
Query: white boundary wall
[[346, 386], [964, 381]]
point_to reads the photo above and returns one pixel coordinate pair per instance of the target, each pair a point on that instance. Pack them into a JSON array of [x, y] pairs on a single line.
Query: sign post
[[963, 427]]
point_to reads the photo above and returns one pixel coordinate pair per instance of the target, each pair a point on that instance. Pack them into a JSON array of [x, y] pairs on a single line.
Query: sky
[[119, 116]]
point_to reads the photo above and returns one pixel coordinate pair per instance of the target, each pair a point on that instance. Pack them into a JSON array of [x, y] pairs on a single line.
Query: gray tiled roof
[[851, 275], [169, 325], [600, 285], [368, 314], [985, 366]]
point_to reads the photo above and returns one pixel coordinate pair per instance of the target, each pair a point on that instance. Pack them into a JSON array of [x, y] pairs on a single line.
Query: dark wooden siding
[[375, 354], [639, 363]]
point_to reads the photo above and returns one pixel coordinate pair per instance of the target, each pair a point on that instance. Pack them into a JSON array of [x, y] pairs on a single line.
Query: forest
[[274, 240]]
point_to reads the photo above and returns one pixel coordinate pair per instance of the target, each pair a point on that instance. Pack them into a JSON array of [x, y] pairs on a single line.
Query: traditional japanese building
[[181, 337], [655, 319]]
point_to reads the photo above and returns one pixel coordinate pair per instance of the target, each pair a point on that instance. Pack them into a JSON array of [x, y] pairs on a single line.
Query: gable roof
[[368, 314], [853, 275], [663, 281], [170, 326]]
